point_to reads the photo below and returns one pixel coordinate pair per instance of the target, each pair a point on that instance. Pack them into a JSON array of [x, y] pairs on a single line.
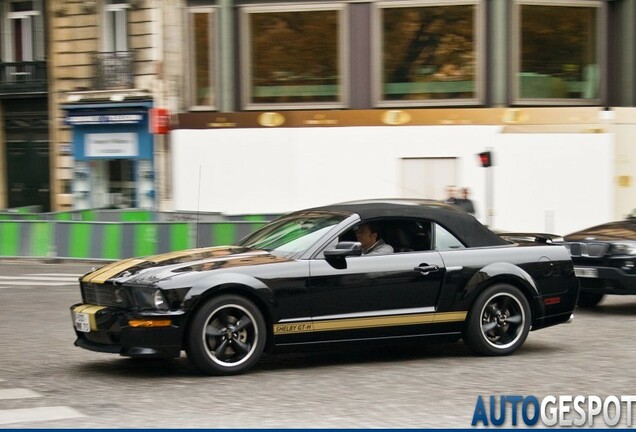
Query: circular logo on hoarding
[[271, 119], [396, 117]]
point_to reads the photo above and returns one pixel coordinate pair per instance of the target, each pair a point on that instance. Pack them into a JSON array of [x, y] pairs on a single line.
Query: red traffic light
[[485, 158]]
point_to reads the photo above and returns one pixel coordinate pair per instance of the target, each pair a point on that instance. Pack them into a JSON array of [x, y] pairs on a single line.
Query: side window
[[444, 240], [402, 234]]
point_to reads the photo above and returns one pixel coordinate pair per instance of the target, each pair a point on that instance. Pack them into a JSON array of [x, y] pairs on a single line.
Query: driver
[[372, 244]]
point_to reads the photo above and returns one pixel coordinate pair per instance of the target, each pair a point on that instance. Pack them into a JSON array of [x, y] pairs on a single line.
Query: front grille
[[591, 250], [104, 295]]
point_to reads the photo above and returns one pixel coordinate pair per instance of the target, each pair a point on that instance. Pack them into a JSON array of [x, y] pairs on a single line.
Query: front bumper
[[605, 280], [131, 334]]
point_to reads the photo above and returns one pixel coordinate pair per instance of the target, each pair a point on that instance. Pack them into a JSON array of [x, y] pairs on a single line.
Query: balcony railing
[[22, 77], [114, 70]]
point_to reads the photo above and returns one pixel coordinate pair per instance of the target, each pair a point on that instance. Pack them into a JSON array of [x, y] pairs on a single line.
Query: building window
[[23, 30], [115, 28], [294, 56], [429, 52], [557, 52], [202, 62], [114, 64]]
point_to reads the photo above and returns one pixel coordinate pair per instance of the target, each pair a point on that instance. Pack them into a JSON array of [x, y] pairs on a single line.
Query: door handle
[[426, 269]]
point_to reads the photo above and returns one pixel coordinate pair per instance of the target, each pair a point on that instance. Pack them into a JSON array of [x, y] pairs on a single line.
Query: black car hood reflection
[[620, 230], [155, 268]]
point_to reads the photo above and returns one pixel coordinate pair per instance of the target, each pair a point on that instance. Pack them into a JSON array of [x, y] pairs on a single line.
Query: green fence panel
[[254, 218], [180, 237], [41, 238], [80, 240], [9, 238], [63, 216], [32, 216], [22, 216], [66, 237], [87, 215], [145, 239], [111, 243], [224, 234], [137, 216]]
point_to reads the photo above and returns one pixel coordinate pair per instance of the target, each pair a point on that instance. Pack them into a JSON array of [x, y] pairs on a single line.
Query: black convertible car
[[303, 280], [605, 259]]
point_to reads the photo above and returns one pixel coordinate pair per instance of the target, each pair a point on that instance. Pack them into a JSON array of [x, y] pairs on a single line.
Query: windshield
[[292, 234]]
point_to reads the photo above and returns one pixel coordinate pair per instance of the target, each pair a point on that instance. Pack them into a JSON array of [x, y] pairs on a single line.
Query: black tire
[[589, 300], [499, 321], [227, 335]]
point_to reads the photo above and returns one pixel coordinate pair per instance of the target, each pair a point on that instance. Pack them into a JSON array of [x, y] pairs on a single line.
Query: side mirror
[[344, 249], [336, 257]]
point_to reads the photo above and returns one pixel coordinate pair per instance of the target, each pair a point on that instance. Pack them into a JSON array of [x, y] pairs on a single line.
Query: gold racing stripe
[[178, 254], [105, 273], [370, 322]]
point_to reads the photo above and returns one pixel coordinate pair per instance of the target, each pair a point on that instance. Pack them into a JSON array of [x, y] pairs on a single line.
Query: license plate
[[81, 322], [585, 272]]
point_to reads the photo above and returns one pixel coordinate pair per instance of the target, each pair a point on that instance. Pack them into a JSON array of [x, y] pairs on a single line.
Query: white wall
[[625, 201], [553, 182], [566, 176]]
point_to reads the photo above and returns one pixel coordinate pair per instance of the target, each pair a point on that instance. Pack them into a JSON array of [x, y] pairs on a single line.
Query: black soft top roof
[[462, 224]]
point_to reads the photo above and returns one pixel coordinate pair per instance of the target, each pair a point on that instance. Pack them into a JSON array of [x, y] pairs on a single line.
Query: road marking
[[23, 415], [32, 283], [18, 393], [39, 279]]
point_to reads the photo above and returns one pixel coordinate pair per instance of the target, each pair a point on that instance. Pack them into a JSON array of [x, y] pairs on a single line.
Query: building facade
[[552, 80], [111, 66], [250, 79], [24, 105]]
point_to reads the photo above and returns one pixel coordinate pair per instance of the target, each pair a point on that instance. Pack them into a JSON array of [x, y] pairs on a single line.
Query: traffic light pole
[[486, 161], [490, 212]]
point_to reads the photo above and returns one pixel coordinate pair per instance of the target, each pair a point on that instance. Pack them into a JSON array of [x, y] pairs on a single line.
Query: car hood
[[152, 269], [612, 231]]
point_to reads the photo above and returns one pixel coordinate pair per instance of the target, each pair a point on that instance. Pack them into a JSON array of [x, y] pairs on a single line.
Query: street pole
[[487, 162], [490, 212]]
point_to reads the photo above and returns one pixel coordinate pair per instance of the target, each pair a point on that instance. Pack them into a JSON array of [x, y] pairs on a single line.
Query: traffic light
[[485, 158]]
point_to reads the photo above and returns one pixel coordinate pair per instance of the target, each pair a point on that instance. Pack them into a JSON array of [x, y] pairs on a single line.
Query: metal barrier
[[25, 238], [71, 239], [129, 215]]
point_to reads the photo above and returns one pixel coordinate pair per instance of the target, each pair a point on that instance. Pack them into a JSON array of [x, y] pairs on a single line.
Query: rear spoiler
[[526, 237]]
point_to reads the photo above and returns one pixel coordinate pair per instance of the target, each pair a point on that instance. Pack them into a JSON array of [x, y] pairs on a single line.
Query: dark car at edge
[[303, 281], [604, 259]]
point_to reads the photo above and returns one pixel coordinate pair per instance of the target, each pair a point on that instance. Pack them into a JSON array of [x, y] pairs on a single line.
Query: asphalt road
[[46, 382]]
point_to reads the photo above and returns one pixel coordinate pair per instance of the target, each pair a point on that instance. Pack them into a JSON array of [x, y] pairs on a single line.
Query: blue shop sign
[[84, 119], [110, 130]]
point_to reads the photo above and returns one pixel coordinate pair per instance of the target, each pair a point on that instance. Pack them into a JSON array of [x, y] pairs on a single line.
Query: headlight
[[160, 301], [623, 248], [149, 298]]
